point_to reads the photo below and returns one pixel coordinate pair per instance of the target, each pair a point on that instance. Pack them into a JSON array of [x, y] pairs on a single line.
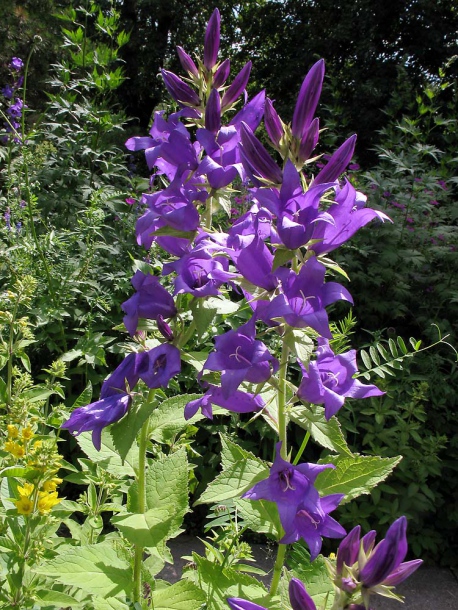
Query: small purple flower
[[16, 64], [179, 90], [329, 380], [187, 63], [240, 357], [124, 378], [97, 416], [273, 123], [150, 300], [7, 92], [222, 74]]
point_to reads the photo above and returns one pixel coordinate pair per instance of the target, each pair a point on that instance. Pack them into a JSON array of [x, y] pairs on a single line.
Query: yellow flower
[[47, 501], [37, 445], [27, 433], [52, 484], [15, 449], [26, 490], [24, 505], [13, 432]]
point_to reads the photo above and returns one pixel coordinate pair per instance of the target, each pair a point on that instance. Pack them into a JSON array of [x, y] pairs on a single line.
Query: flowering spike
[[179, 90], [211, 43], [272, 121], [187, 63], [307, 100], [213, 112], [222, 73], [237, 86]]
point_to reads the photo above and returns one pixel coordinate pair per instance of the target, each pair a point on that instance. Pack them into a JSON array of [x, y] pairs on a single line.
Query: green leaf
[[282, 256], [326, 433], [261, 516], [183, 595], [167, 420], [301, 345], [220, 305], [56, 598], [125, 431], [84, 398], [234, 481], [108, 457], [146, 529], [365, 358], [96, 569], [315, 574], [355, 475], [111, 603], [202, 316]]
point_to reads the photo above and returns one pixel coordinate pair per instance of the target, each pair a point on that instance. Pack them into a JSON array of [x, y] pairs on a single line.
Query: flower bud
[[307, 100], [221, 74], [272, 121], [348, 549], [187, 63], [213, 112], [237, 86], [257, 156], [211, 42], [309, 140], [179, 90], [298, 596], [337, 163], [386, 556]]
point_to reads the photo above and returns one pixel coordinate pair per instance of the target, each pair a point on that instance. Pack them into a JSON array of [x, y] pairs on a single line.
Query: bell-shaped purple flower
[[241, 357], [211, 41], [238, 402], [305, 297], [307, 101], [222, 74], [348, 215], [187, 63], [124, 378], [159, 365], [298, 596], [329, 380], [150, 300], [292, 489], [16, 64], [179, 90], [97, 416], [237, 86]]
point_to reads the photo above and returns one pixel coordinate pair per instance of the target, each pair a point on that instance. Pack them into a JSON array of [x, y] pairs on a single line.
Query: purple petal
[[298, 596], [237, 86], [307, 100], [211, 42]]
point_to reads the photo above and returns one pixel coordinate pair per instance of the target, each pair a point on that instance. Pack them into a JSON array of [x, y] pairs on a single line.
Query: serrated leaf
[[125, 432], [326, 433], [220, 305], [108, 457], [355, 475], [111, 603], [282, 256], [167, 420], [84, 398], [202, 317], [234, 481], [302, 345], [183, 595], [56, 598], [146, 529], [315, 574], [261, 516], [232, 453], [96, 569]]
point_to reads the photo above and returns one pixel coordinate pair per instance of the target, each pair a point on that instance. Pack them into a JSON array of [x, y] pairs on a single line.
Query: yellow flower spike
[[24, 505], [15, 449], [26, 490], [52, 484], [13, 432], [27, 433], [37, 445], [47, 501]]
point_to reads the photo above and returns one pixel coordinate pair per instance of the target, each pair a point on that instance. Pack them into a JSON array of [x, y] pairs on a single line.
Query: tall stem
[[141, 504], [282, 426]]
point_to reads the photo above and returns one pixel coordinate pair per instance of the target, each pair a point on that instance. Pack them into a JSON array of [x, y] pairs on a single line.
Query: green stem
[[301, 448], [282, 429], [9, 379], [141, 482]]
